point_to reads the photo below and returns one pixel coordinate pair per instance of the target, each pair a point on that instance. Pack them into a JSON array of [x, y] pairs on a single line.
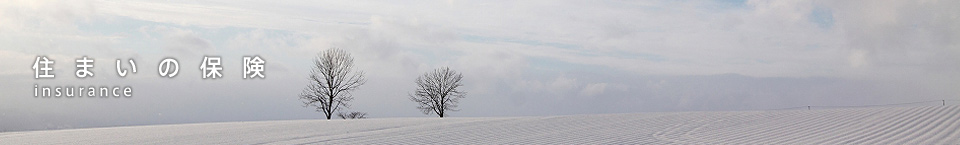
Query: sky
[[518, 58]]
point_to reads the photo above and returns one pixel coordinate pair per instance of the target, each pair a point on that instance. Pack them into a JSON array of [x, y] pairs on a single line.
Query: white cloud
[[179, 41], [593, 89], [16, 63], [858, 58]]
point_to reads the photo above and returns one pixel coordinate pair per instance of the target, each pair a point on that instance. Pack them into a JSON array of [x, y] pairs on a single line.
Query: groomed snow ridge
[[876, 125]]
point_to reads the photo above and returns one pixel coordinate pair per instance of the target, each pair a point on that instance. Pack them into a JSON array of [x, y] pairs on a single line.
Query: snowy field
[[882, 125]]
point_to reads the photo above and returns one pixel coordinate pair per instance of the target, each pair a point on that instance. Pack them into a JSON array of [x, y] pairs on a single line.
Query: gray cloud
[[177, 40]]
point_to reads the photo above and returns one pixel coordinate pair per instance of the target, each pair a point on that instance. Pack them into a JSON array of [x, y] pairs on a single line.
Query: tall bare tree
[[437, 91], [331, 81]]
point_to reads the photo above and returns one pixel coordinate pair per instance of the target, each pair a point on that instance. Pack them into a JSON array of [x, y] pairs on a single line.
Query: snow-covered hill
[[882, 125]]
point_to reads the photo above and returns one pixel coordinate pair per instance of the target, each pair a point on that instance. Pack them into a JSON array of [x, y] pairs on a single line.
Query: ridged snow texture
[[881, 125]]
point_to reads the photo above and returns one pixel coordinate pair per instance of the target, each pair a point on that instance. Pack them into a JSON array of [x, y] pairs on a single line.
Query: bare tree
[[352, 115], [331, 81], [437, 91]]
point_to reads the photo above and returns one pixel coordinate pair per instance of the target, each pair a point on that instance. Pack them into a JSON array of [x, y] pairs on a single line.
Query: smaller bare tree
[[352, 115], [437, 91]]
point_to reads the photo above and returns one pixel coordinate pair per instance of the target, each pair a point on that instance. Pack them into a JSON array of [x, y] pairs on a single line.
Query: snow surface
[[882, 125]]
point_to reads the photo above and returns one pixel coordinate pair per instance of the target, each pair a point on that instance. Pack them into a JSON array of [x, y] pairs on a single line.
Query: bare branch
[[437, 91], [352, 115], [331, 81]]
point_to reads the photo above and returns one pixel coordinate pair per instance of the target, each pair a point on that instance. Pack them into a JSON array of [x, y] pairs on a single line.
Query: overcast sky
[[527, 58]]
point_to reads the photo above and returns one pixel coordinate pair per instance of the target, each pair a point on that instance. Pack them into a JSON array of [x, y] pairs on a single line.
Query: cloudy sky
[[526, 58]]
